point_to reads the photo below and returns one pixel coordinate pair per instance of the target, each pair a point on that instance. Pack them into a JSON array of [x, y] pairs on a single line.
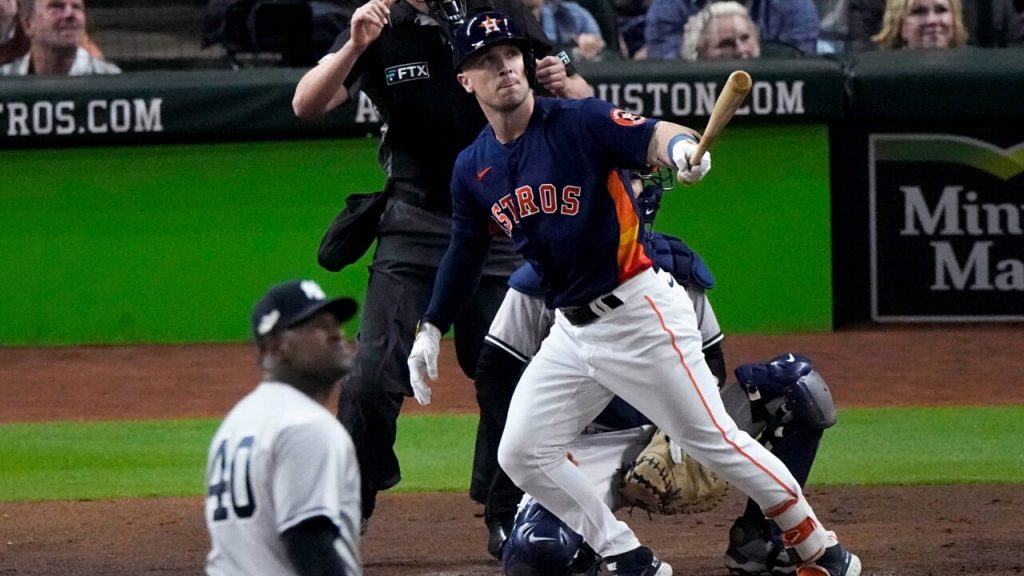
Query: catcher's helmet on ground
[[484, 30]]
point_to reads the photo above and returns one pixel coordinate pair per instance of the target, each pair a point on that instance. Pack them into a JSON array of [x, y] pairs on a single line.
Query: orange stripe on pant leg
[[778, 510], [703, 401]]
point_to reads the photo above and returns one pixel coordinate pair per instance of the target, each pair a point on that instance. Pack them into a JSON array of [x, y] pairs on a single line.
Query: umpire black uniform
[[409, 75]]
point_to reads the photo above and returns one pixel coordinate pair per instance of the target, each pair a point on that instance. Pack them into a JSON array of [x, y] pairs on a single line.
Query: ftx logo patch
[[407, 72]]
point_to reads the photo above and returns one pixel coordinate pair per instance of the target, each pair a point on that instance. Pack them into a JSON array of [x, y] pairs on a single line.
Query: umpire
[[398, 53]]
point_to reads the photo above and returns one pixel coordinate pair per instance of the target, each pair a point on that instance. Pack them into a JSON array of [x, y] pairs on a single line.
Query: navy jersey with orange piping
[[561, 192]]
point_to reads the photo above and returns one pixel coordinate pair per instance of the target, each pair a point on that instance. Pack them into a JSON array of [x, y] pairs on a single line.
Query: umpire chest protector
[[409, 75]]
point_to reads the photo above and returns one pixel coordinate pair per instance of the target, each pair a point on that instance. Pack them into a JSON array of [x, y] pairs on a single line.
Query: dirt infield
[[898, 531]]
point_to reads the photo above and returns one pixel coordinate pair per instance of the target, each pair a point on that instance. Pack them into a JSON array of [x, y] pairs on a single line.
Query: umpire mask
[[450, 12]]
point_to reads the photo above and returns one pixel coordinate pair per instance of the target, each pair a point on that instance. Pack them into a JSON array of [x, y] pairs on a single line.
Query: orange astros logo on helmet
[[623, 118], [490, 25], [483, 30]]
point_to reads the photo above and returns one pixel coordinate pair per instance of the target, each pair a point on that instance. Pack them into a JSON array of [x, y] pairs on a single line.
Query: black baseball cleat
[[497, 534], [637, 562], [586, 562], [836, 561], [753, 552]]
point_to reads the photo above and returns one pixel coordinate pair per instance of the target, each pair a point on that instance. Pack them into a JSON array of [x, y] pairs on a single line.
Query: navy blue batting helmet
[[540, 544], [487, 29]]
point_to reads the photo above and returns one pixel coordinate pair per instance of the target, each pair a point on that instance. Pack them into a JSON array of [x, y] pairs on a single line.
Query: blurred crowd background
[[197, 34]]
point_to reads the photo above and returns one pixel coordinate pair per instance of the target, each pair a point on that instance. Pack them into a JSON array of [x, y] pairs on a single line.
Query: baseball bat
[[732, 95]]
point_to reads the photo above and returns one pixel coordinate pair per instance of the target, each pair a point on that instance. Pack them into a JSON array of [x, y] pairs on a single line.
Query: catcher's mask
[[451, 12], [655, 183], [484, 30]]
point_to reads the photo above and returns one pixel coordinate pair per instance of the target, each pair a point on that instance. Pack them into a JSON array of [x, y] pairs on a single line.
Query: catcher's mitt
[[657, 484]]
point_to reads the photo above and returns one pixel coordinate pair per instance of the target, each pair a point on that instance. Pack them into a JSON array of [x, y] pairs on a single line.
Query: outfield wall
[[157, 207]]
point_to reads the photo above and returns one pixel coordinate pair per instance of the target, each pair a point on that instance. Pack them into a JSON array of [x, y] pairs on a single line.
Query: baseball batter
[[282, 477], [523, 321], [549, 174], [784, 403]]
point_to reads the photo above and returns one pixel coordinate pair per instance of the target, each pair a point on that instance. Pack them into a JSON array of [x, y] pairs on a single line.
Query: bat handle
[[698, 152]]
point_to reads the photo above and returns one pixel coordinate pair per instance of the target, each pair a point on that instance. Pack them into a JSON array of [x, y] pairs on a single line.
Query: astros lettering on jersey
[[581, 210]]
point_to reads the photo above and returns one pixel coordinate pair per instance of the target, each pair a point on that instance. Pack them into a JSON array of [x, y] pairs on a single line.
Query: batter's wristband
[[570, 68], [679, 139]]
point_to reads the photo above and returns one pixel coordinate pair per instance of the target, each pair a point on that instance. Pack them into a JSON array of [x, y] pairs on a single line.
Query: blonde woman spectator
[[1006, 27], [721, 31], [789, 25], [916, 24], [56, 31]]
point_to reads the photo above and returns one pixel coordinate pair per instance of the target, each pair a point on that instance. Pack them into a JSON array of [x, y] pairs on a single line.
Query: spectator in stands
[[56, 32], [1007, 22], [789, 24], [721, 31], [569, 26], [1014, 15], [630, 16], [917, 24], [304, 29], [13, 41], [865, 20], [833, 29]]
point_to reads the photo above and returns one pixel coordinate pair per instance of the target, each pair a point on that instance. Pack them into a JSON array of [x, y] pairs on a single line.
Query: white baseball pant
[[647, 351]]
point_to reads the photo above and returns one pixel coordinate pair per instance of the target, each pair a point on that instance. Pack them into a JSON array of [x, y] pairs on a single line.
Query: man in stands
[[56, 29]]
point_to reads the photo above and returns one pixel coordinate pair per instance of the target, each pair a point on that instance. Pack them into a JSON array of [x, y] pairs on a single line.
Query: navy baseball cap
[[293, 302], [483, 30]]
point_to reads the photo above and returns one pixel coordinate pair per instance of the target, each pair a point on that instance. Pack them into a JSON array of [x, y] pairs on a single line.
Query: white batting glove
[[681, 150], [423, 358]]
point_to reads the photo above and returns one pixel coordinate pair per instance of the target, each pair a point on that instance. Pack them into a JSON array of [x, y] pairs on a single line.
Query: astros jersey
[[560, 192], [279, 458]]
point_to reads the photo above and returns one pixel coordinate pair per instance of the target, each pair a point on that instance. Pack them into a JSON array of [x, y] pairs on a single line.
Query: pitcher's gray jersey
[[279, 458]]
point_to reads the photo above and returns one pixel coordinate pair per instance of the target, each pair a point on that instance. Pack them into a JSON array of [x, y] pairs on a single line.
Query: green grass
[[923, 446], [72, 461]]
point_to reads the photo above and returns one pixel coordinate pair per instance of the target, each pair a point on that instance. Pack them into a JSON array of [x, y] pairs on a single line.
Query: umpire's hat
[[487, 29], [293, 302]]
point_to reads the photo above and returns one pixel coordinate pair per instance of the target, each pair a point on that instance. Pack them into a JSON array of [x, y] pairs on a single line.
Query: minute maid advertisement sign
[[947, 229]]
